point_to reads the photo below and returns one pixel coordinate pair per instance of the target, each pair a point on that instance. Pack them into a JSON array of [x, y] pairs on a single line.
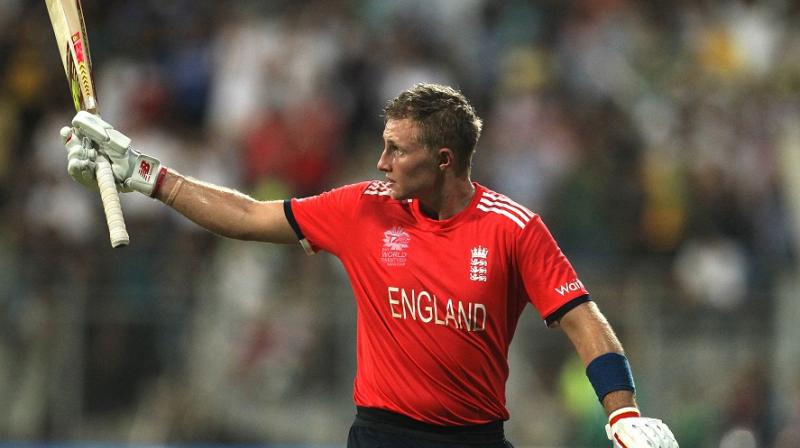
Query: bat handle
[[111, 206]]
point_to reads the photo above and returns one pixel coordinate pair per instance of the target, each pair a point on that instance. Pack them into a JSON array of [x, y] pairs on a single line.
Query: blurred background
[[659, 140]]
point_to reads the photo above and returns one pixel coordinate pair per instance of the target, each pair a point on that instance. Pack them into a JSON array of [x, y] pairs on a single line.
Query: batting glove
[[133, 171], [80, 158], [627, 429]]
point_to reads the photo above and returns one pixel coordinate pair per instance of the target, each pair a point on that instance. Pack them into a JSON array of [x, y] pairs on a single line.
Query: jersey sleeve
[[324, 221], [550, 281]]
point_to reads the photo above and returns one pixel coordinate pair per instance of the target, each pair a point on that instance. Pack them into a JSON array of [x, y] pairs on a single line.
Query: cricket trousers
[[378, 428]]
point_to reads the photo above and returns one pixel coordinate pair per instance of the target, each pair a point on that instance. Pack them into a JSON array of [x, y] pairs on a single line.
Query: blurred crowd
[[659, 140]]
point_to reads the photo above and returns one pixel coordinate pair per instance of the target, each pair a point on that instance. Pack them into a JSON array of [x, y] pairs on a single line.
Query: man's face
[[410, 168]]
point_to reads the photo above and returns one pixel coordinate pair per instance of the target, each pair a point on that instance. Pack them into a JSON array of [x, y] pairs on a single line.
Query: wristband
[[608, 373], [175, 190], [162, 173]]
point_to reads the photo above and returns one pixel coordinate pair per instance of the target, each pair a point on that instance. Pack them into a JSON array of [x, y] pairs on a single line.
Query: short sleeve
[[326, 220], [549, 279]]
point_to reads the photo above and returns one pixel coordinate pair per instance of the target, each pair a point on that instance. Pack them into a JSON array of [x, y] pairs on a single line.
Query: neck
[[453, 196]]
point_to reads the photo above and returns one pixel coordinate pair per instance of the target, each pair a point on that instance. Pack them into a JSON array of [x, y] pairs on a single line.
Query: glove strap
[[621, 413], [145, 174]]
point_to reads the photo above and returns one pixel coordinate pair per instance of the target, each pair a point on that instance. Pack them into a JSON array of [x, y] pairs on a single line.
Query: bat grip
[[111, 205]]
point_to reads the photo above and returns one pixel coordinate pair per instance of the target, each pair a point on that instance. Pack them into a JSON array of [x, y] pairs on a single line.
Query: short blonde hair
[[445, 119]]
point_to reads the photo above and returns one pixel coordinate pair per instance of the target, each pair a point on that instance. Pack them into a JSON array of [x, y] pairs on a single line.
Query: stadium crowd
[[659, 141]]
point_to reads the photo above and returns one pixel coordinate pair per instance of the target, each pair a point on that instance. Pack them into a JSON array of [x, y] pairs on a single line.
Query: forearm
[[224, 211], [590, 332], [618, 399], [592, 337]]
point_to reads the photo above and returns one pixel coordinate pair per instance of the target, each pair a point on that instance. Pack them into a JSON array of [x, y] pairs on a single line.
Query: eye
[[394, 151]]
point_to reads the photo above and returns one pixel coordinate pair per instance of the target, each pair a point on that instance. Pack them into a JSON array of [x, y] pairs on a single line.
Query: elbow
[[244, 225], [257, 221], [234, 223]]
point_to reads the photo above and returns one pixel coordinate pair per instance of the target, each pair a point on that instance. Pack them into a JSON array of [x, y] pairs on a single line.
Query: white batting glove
[[133, 171], [627, 429], [80, 158]]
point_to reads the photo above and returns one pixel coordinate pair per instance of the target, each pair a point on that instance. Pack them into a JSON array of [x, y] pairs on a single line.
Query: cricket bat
[[66, 17]]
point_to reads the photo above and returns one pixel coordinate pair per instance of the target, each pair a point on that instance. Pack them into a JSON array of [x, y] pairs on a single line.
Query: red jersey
[[438, 300]]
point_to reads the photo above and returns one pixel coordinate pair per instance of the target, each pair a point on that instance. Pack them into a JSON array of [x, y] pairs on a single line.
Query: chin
[[394, 193], [403, 194], [397, 196]]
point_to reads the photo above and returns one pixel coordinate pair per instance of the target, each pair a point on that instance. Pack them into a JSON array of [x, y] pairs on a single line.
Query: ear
[[445, 159]]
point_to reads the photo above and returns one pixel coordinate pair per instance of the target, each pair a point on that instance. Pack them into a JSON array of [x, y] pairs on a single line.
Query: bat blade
[[69, 28], [73, 45]]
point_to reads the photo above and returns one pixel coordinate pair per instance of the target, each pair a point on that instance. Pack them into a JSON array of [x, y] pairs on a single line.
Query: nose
[[384, 162]]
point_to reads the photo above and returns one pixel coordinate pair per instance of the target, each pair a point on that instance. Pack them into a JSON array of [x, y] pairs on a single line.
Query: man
[[441, 268]]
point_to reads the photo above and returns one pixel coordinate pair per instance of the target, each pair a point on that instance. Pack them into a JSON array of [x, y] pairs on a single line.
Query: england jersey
[[437, 300]]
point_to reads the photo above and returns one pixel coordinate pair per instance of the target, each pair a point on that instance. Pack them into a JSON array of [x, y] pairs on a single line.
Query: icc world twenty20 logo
[[395, 244]]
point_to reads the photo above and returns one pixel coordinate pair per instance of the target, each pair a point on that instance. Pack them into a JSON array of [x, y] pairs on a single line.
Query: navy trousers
[[377, 428]]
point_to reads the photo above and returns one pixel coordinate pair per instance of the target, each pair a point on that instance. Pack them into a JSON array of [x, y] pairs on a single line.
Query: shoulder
[[504, 211], [355, 196], [377, 192], [355, 191], [375, 188]]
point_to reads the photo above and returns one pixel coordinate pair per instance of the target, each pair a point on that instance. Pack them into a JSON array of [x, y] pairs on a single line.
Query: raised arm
[[221, 210], [224, 211]]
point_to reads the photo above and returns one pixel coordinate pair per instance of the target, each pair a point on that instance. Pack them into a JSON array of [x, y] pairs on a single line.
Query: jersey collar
[[427, 223]]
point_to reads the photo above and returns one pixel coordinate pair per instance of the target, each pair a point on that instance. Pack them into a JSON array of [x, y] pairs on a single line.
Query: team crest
[[479, 264], [395, 246]]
